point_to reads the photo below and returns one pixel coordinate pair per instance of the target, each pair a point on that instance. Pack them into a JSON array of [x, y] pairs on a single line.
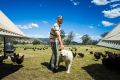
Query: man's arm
[[59, 39]]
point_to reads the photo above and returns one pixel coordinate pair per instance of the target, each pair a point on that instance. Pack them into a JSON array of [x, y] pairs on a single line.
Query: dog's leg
[[68, 68], [66, 64]]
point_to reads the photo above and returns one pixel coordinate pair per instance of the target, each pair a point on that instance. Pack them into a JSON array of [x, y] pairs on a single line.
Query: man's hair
[[59, 17]]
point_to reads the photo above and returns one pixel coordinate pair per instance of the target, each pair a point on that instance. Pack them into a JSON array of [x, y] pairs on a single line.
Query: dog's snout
[[62, 55]]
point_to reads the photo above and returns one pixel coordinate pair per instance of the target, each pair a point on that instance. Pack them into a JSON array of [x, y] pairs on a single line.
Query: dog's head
[[63, 53]]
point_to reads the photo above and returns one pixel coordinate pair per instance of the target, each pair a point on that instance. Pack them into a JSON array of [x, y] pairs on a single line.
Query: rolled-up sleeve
[[56, 27]]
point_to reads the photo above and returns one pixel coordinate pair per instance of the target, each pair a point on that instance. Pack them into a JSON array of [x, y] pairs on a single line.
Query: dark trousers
[[53, 59]]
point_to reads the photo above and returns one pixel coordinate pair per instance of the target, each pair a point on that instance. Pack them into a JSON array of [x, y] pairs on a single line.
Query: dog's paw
[[68, 72]]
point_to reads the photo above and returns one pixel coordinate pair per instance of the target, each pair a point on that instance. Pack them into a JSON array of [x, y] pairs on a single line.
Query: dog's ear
[[75, 49], [74, 54], [59, 49]]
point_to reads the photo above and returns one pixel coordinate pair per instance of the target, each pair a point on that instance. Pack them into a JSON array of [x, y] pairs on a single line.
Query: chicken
[[13, 59], [91, 52], [97, 55], [20, 59], [81, 55]]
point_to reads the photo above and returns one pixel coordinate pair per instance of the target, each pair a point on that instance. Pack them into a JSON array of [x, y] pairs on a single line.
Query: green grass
[[35, 64]]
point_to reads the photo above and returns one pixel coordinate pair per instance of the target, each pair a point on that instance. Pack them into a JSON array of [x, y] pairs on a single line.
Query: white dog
[[67, 57]]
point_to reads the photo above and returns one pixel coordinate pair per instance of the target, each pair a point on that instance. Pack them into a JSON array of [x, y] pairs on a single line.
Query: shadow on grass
[[6, 69], [46, 64], [100, 72], [60, 68]]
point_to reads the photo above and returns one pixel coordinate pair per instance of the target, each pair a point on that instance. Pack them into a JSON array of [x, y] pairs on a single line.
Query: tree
[[23, 43], [86, 39], [69, 38], [94, 42], [104, 34], [15, 42], [74, 43], [62, 33], [35, 42]]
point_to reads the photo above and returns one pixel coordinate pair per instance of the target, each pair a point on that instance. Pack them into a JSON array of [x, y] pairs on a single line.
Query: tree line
[[69, 39], [86, 39]]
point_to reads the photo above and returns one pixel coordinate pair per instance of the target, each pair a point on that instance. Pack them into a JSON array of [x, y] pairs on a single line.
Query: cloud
[[77, 34], [66, 34], [77, 37], [100, 2], [34, 25], [75, 3], [95, 37], [114, 5], [38, 35], [28, 26], [44, 22], [114, 0], [113, 13], [106, 23], [103, 2], [91, 27]]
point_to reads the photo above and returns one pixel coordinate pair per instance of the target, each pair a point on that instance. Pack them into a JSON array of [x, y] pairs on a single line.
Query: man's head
[[60, 19]]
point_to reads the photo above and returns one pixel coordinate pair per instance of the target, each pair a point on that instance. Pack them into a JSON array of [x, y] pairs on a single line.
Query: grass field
[[35, 67]]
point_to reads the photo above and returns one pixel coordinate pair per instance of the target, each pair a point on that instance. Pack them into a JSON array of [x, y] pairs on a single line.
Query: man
[[9, 49], [54, 36]]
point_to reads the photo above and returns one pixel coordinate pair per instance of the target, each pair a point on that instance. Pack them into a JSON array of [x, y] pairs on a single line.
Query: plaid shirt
[[53, 35]]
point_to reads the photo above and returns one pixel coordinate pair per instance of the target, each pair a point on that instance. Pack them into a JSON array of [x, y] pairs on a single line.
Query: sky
[[36, 17]]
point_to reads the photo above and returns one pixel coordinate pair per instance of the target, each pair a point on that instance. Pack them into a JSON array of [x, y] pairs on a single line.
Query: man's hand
[[59, 39], [62, 46]]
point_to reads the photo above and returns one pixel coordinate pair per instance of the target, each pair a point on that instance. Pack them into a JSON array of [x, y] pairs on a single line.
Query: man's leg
[[53, 60]]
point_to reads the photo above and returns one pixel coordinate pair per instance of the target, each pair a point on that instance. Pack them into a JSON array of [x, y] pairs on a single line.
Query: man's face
[[60, 21]]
